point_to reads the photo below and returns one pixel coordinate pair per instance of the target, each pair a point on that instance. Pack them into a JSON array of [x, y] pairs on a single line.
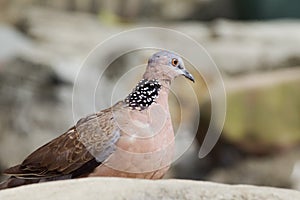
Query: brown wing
[[61, 156], [69, 154]]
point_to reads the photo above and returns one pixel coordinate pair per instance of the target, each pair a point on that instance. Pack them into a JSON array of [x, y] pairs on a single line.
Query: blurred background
[[255, 44]]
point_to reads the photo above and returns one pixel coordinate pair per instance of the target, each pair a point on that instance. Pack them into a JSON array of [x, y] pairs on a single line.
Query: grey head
[[165, 65], [162, 68]]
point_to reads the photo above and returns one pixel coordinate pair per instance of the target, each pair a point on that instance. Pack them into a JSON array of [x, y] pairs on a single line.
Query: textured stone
[[263, 110], [115, 188]]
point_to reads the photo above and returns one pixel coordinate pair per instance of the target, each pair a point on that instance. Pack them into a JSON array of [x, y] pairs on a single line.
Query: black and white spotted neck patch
[[143, 95]]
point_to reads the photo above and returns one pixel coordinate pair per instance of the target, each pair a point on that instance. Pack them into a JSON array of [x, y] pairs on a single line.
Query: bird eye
[[174, 62]]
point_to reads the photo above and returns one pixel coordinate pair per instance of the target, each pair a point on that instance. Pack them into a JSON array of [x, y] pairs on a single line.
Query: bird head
[[165, 65]]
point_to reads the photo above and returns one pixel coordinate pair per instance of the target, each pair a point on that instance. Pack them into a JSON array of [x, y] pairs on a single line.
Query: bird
[[134, 138]]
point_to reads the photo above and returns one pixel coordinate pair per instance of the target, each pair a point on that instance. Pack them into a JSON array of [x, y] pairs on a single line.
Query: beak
[[188, 75]]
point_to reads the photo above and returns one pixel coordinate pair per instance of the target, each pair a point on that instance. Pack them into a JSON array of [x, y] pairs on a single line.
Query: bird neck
[[159, 73], [147, 92]]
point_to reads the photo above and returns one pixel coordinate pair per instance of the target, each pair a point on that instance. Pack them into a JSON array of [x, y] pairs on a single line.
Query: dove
[[134, 138]]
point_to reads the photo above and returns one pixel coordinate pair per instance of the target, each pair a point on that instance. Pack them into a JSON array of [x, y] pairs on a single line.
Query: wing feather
[[78, 148]]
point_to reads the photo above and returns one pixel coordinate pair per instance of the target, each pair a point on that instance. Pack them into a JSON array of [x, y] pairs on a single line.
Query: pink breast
[[145, 148]]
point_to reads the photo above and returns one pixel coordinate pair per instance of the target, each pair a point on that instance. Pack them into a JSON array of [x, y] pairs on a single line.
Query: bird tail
[[15, 182]]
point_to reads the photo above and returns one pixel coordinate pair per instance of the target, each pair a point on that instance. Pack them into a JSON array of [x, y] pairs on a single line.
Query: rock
[[256, 171], [115, 188], [262, 113], [254, 46], [12, 43], [263, 110], [261, 131], [295, 176], [32, 95]]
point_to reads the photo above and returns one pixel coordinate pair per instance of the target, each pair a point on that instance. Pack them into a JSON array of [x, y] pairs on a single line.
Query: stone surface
[[261, 132], [32, 95], [12, 43], [263, 110], [256, 171], [254, 46], [114, 188]]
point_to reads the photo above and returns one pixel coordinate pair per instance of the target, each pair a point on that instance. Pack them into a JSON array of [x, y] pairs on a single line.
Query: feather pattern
[[93, 137]]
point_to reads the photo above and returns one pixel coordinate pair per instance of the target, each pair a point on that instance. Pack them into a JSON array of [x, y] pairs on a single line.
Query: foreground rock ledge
[[115, 188]]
